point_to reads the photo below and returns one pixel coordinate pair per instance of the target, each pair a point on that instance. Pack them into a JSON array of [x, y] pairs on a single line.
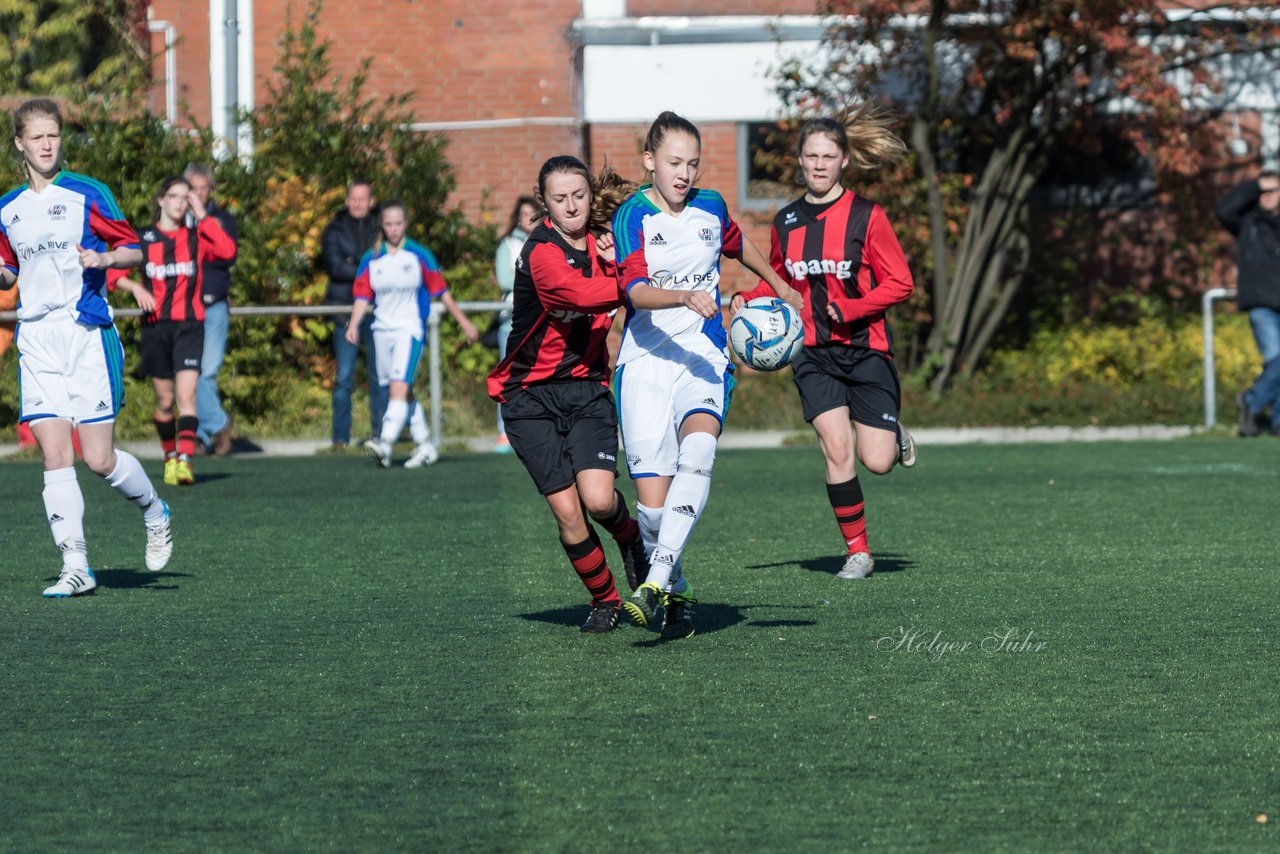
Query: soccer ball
[[766, 333]]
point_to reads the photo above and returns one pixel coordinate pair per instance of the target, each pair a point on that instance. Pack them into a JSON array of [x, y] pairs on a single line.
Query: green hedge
[[1108, 375]]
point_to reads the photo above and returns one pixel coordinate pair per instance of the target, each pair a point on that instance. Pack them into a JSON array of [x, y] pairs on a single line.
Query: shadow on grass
[[708, 618], [831, 565], [133, 579], [202, 477]]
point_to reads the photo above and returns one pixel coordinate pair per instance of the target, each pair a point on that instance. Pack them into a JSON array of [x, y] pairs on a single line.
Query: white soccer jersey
[[400, 285], [39, 235], [676, 253]]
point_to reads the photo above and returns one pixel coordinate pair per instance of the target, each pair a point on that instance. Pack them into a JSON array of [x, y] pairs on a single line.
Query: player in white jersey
[[59, 233], [399, 277], [674, 379]]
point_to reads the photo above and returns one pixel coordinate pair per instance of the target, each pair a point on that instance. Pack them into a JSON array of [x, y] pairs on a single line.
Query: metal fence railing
[[435, 381], [1210, 384], [433, 340]]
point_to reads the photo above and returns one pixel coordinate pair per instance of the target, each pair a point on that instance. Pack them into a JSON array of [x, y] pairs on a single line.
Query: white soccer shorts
[[655, 395], [69, 370], [397, 352]]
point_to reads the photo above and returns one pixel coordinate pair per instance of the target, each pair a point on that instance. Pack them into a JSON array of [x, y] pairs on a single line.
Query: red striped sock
[[187, 425], [846, 501], [589, 562], [166, 431], [619, 523]]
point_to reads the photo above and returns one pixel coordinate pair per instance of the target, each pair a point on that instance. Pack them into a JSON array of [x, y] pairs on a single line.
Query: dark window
[[766, 165], [1106, 172]]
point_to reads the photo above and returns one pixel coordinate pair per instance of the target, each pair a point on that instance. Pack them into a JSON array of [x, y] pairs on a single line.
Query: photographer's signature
[[935, 645]]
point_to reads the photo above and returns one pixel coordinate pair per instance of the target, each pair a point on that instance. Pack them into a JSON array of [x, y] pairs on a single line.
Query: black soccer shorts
[[560, 429], [864, 380], [169, 346]]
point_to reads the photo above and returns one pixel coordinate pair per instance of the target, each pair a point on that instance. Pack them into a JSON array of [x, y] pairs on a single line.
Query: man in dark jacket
[[215, 276], [351, 233], [1251, 211]]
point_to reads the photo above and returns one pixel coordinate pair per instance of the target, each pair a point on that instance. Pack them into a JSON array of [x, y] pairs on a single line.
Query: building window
[[765, 166], [1113, 174]]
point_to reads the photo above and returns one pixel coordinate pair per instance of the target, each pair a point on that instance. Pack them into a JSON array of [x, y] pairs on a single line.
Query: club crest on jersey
[[57, 211], [707, 236], [842, 269]]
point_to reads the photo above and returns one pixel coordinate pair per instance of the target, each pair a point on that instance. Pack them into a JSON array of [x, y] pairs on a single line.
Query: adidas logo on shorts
[[657, 240], [685, 510], [664, 558], [633, 459], [54, 518], [102, 406], [709, 401]]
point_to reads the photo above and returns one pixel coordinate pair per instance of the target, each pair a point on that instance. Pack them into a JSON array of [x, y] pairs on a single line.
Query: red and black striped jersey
[[171, 267], [844, 254], [563, 304]]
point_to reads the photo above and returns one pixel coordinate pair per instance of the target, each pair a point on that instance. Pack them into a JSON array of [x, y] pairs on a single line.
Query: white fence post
[[1210, 382]]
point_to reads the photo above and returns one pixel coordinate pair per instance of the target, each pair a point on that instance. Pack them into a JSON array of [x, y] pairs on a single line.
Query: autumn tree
[[990, 92]]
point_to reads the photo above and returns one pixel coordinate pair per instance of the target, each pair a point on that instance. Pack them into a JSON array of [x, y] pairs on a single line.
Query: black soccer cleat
[[642, 607], [1249, 425], [677, 618], [603, 618], [634, 562]]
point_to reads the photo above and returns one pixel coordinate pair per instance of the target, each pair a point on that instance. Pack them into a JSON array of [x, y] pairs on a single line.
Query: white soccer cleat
[[379, 452], [906, 448], [857, 565], [72, 582], [159, 541], [423, 455]]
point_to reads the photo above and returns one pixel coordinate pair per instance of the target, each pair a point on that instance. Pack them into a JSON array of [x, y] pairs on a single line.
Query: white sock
[[685, 502], [128, 479], [650, 519], [393, 420], [64, 508], [418, 425]]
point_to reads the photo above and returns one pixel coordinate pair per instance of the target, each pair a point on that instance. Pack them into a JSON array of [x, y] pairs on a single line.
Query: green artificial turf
[[345, 658]]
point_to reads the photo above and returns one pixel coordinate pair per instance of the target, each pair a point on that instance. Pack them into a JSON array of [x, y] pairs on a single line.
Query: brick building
[[512, 83]]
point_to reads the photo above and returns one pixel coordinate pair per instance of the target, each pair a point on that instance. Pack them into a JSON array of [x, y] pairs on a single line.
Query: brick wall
[[464, 60], [191, 28], [493, 167]]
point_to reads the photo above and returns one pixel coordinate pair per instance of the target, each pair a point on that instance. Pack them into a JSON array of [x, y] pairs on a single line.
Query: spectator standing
[[524, 219], [215, 274], [346, 239], [1251, 212]]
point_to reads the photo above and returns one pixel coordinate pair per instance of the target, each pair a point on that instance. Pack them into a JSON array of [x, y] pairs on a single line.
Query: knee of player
[[100, 462], [879, 465], [697, 454], [600, 505]]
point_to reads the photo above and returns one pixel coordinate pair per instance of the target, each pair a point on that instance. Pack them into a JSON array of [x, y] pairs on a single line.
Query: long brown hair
[[608, 191], [864, 133]]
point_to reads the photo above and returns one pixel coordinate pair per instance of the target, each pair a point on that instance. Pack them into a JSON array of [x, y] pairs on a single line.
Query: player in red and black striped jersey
[[553, 384], [173, 326], [838, 250]]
